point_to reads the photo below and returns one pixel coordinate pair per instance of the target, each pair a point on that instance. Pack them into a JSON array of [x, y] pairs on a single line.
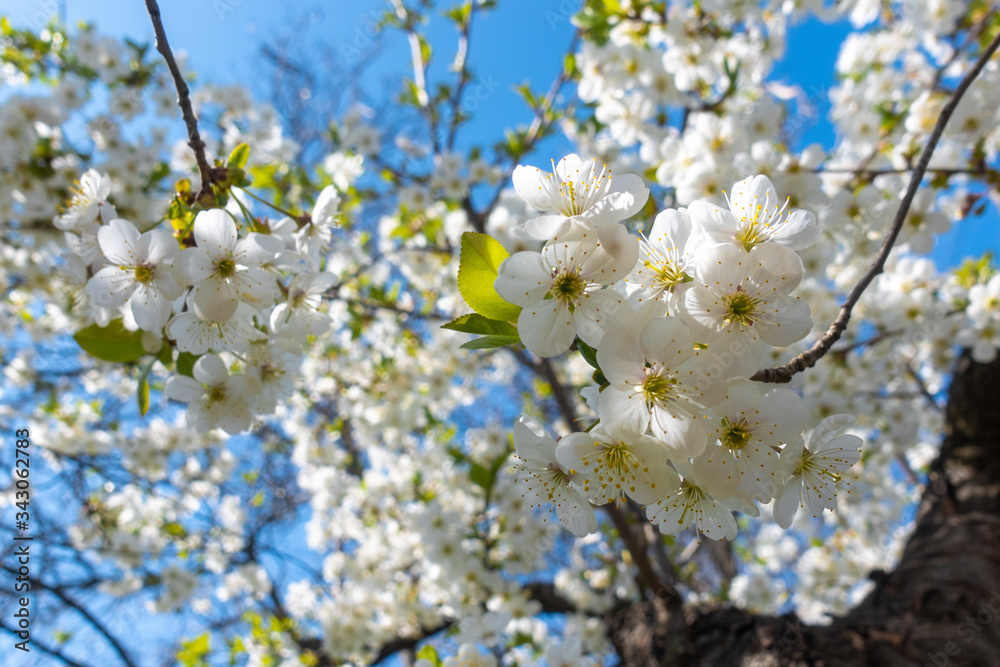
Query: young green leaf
[[489, 342], [238, 158], [430, 654], [480, 261], [142, 392], [111, 343], [142, 396], [589, 354], [477, 324], [185, 363]]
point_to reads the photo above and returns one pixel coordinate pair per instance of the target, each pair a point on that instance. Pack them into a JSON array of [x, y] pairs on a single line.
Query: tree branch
[[808, 359], [85, 613], [462, 64], [183, 99], [55, 653], [634, 543]]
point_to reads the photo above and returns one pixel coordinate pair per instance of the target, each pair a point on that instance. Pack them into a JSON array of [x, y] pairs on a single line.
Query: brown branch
[[634, 543], [183, 99], [35, 644], [85, 613], [808, 359], [543, 593], [941, 171], [924, 391]]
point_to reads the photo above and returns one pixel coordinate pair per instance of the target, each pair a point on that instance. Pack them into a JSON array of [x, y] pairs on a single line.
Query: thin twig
[[976, 171], [808, 359], [462, 64], [911, 476], [634, 542], [478, 218], [85, 613], [41, 646], [183, 98], [922, 386]]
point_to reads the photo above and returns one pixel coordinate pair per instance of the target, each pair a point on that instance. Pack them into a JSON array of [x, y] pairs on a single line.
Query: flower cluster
[[679, 321], [241, 307]]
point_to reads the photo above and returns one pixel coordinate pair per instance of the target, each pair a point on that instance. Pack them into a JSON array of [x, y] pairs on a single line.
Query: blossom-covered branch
[[808, 359]]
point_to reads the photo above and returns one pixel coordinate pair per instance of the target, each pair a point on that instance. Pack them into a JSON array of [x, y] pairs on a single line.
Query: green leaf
[[481, 476], [477, 271], [194, 651], [111, 343], [589, 354], [166, 356], [142, 392], [238, 158], [185, 363], [477, 324], [430, 654], [174, 529], [489, 342], [142, 396]]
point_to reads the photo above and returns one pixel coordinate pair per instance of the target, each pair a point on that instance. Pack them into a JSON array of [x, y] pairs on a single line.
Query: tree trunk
[[939, 607]]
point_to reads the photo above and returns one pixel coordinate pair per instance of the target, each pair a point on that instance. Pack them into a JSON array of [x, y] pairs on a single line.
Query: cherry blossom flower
[[299, 317], [815, 470], [214, 397], [666, 259], [741, 302], [576, 188], [223, 269], [748, 427], [609, 468], [546, 481], [91, 192], [561, 290], [756, 216], [140, 274], [197, 336], [315, 237], [690, 502], [657, 383]]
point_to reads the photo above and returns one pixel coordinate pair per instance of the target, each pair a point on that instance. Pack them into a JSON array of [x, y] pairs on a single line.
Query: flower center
[[758, 221], [658, 388], [752, 234], [583, 189], [810, 465], [741, 308], [692, 496], [568, 287], [216, 393], [271, 373], [143, 274], [667, 274], [615, 457], [735, 436], [226, 268]]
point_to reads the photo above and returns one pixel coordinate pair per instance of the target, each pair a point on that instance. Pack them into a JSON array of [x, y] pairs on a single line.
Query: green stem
[[274, 206]]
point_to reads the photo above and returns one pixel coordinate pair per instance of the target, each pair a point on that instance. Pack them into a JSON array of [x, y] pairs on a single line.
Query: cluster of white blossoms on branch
[[239, 304], [677, 323]]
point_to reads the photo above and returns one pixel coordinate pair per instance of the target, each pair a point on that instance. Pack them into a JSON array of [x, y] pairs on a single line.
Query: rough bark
[[940, 606]]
